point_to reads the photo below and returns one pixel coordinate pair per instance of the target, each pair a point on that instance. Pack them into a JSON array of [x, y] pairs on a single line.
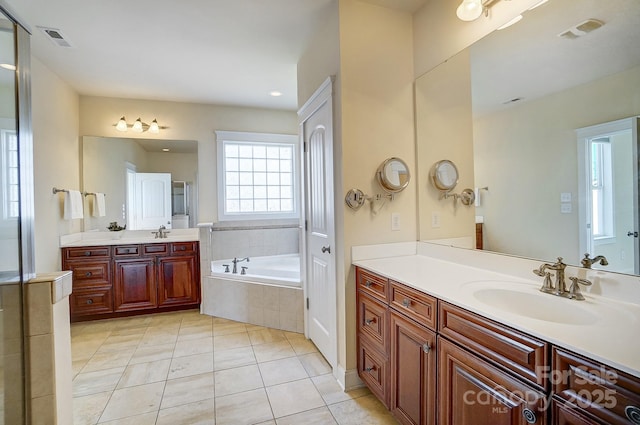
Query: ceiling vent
[[56, 36], [583, 28]]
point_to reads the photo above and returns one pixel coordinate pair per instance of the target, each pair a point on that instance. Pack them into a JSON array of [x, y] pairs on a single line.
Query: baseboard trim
[[347, 379]]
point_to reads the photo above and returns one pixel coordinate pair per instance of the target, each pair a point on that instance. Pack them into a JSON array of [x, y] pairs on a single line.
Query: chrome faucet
[[161, 233], [587, 262], [560, 287], [235, 262]]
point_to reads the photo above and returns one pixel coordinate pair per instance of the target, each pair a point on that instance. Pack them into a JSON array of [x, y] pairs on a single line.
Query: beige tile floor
[[187, 368]]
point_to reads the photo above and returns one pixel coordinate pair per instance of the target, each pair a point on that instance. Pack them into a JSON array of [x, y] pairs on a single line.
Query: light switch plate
[[565, 208], [565, 197], [395, 221], [435, 220]]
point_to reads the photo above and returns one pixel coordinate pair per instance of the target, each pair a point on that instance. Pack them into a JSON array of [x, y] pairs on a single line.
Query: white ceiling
[[232, 52], [529, 60]]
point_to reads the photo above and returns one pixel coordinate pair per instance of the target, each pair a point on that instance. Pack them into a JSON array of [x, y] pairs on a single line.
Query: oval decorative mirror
[[393, 175], [444, 175]]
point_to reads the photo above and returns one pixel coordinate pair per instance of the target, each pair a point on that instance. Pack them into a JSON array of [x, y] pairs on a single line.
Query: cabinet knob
[[369, 321], [89, 301], [370, 369], [426, 347], [183, 248], [529, 416], [87, 253], [633, 414], [326, 249], [88, 274], [406, 302], [368, 284]]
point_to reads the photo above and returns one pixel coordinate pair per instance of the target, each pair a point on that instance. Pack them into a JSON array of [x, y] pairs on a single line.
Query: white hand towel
[[99, 206], [73, 207]]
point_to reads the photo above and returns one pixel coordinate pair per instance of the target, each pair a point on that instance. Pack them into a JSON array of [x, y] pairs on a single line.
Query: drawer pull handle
[[369, 321], [88, 274], [406, 302], [368, 283], [183, 248], [633, 414], [87, 253], [89, 301], [426, 347], [370, 369], [529, 416]]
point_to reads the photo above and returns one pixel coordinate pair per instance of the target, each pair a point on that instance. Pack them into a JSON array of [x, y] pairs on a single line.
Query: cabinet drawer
[[521, 354], [126, 250], [155, 249], [372, 284], [373, 369], [605, 393], [86, 252], [183, 247], [373, 321], [89, 301], [418, 306], [94, 273]]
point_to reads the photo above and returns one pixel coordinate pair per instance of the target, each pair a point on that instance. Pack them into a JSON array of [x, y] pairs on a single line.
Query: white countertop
[[604, 329], [125, 237]]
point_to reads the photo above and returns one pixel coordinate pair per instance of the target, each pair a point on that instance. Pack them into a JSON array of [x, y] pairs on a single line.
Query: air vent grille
[[56, 36], [583, 28]]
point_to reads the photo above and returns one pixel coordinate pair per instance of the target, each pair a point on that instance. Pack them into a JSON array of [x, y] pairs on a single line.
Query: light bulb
[[137, 126], [121, 125], [469, 10], [154, 127]]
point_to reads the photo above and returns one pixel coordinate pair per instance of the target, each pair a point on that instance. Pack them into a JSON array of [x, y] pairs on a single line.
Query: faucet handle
[[574, 290], [539, 272], [226, 268]]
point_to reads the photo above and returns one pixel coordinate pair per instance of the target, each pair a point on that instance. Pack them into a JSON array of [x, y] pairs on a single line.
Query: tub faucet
[[235, 262], [587, 262]]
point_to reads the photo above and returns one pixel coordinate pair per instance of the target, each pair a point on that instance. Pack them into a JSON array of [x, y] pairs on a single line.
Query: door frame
[[322, 95], [584, 135]]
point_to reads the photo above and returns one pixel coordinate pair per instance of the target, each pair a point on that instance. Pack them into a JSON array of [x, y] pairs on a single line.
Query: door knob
[[326, 249], [634, 234]]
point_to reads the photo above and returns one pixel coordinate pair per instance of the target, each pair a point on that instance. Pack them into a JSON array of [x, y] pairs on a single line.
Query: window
[[601, 189], [10, 180], [257, 176]]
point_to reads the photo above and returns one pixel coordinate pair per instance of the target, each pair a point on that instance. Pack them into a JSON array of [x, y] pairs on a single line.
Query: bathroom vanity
[[117, 277], [446, 341]]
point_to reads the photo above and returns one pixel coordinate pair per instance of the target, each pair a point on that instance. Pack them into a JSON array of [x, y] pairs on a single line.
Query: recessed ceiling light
[[165, 149], [275, 93], [8, 66]]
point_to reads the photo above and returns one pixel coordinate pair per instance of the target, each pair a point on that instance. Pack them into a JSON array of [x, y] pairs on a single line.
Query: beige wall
[[377, 123], [56, 158], [186, 121], [444, 130], [527, 155]]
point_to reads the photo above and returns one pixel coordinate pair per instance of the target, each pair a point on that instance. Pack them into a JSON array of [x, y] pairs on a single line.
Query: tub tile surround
[[613, 298], [262, 305]]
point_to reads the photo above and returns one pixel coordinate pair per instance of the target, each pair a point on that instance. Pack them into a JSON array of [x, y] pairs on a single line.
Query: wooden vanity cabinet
[[397, 347], [593, 392], [125, 279]]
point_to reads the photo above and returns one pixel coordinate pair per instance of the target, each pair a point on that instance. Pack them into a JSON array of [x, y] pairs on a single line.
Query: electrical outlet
[[565, 208], [435, 220], [395, 221], [565, 197]]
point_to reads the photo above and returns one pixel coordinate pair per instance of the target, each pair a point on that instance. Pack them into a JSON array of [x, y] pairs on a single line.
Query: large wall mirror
[[520, 99], [131, 172]]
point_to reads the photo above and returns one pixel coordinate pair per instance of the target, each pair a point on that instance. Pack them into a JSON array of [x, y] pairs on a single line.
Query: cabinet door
[[134, 285], [178, 281], [474, 392], [569, 415], [413, 371]]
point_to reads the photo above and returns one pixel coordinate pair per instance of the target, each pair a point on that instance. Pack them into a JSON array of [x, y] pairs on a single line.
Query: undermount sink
[[527, 301]]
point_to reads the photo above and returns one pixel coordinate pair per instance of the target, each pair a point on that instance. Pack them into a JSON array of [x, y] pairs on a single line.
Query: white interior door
[[153, 200], [609, 187], [317, 131]]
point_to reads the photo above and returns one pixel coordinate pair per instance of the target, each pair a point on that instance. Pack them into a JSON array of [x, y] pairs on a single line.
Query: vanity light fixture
[[470, 10], [139, 126]]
